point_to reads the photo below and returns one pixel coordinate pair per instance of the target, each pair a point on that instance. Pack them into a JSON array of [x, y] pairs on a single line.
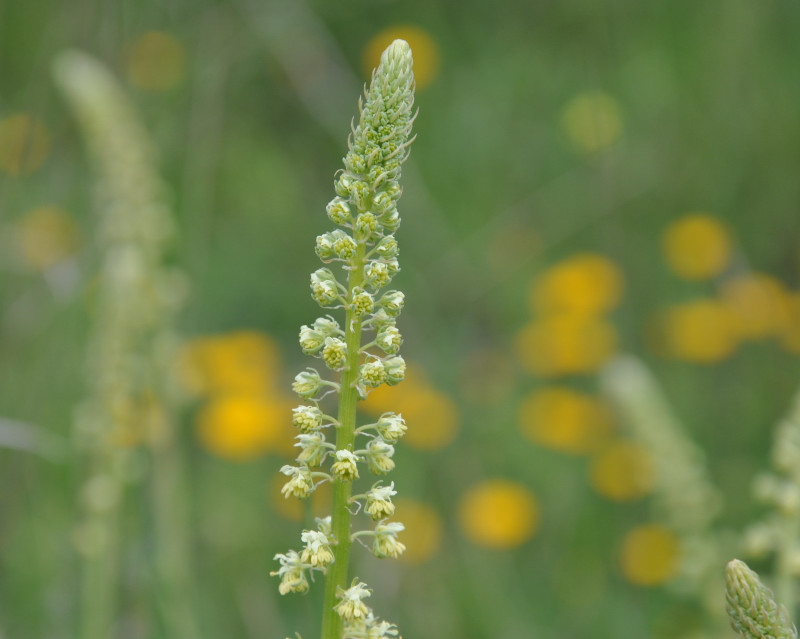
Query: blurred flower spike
[[24, 144]]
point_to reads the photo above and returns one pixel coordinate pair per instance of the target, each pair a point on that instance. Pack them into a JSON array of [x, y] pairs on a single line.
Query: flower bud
[[343, 187], [395, 368], [312, 448], [377, 275], [379, 456], [354, 163], [310, 340], [327, 326], [392, 302], [307, 419], [335, 353], [382, 203], [362, 301], [381, 319], [387, 247], [390, 220], [343, 245], [324, 248], [323, 287], [338, 211], [389, 340], [365, 225], [307, 383], [391, 427], [372, 374]]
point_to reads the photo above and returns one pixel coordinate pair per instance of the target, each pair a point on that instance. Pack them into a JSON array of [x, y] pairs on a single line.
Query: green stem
[[332, 625]]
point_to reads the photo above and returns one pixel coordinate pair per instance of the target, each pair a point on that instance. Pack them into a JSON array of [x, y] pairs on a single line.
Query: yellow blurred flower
[[424, 529], [758, 303], [697, 246], [295, 509], [585, 284], [431, 416], [700, 331], [241, 361], [156, 61], [622, 471], [46, 236], [24, 144], [499, 514], [564, 419], [566, 344], [241, 427], [789, 336], [592, 121], [649, 555], [426, 52]]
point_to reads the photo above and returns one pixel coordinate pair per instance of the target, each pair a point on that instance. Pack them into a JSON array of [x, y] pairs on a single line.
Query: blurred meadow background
[[600, 253]]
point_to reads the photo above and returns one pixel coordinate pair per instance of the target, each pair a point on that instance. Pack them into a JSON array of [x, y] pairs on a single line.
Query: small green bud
[[392, 302], [310, 340], [354, 163], [344, 188], [391, 427], [338, 211], [372, 374], [381, 319], [379, 456], [390, 221], [382, 203], [387, 247], [362, 301], [343, 245], [365, 225], [389, 340], [323, 287], [377, 275], [324, 248], [394, 191], [307, 418], [335, 353], [393, 266], [307, 383], [345, 468], [327, 326], [395, 368], [361, 194]]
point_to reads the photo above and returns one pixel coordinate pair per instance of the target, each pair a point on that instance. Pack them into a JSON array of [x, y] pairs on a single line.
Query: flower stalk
[[365, 209]]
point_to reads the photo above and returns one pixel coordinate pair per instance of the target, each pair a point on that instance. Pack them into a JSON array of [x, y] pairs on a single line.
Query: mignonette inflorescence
[[363, 245]]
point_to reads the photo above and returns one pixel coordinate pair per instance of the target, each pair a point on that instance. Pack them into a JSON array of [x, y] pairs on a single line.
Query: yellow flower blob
[[424, 530], [649, 555], [24, 144], [296, 509], [564, 419], [241, 361], [592, 121], [622, 471], [700, 331], [431, 416], [566, 344], [697, 246], [46, 236], [585, 284], [426, 52], [241, 427], [156, 61], [499, 514], [758, 304]]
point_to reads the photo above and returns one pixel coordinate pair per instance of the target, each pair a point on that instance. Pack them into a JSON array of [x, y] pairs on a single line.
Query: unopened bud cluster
[[363, 245]]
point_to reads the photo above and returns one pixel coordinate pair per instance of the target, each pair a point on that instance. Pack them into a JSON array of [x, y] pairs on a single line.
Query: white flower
[[379, 501], [310, 340], [300, 483], [351, 608], [307, 418], [318, 551], [395, 368], [291, 572], [345, 468], [313, 448], [307, 383], [386, 543]]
